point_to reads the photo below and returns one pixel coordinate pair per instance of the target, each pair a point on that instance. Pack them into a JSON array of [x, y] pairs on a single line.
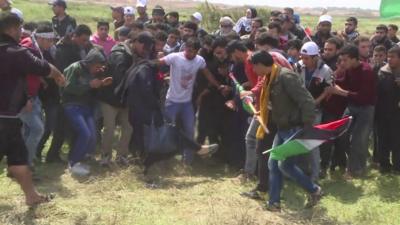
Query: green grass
[[37, 10], [209, 195]]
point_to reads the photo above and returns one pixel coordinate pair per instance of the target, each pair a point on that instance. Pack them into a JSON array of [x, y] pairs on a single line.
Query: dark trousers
[[389, 142], [209, 123], [51, 120], [262, 160], [333, 153]]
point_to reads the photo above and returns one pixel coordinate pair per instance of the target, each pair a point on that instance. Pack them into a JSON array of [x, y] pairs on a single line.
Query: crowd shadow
[[387, 188]]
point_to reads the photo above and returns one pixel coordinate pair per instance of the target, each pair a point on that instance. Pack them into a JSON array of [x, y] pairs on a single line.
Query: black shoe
[[323, 173], [55, 159], [253, 194]]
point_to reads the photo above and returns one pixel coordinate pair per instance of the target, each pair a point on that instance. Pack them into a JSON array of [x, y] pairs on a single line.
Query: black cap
[[61, 3]]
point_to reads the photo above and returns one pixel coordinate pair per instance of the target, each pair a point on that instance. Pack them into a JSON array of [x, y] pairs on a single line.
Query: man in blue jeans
[[178, 106], [292, 108]]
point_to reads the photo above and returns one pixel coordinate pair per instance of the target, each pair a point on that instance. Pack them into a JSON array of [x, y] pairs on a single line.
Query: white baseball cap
[[309, 48], [197, 16], [128, 10], [141, 3], [325, 18]]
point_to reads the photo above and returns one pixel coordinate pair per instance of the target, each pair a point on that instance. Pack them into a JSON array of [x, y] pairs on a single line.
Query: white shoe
[[79, 169], [208, 150]]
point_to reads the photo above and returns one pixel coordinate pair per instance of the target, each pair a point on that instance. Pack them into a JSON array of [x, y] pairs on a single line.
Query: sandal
[[43, 199]]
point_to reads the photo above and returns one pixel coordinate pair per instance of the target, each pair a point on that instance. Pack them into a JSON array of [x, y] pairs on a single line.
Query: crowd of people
[[157, 68]]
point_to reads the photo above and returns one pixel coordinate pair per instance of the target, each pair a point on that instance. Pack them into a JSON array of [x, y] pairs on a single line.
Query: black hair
[[161, 36], [44, 27], [335, 41], [207, 40], [137, 25], [262, 57], [9, 20], [276, 13], [174, 31], [380, 48], [103, 23], [351, 51], [253, 12], [235, 45], [267, 39], [162, 26], [190, 25], [145, 38], [219, 42], [193, 43], [394, 27], [173, 14], [395, 50], [352, 19], [82, 29], [274, 25], [360, 39], [289, 10], [31, 26], [258, 20], [295, 43], [382, 27]]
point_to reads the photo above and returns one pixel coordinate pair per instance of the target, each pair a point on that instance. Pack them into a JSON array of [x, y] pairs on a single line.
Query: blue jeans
[[359, 136], [251, 144], [184, 113], [288, 168], [33, 128], [82, 122]]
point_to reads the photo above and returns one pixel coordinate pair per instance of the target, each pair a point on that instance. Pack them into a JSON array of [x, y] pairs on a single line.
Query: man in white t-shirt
[[184, 66]]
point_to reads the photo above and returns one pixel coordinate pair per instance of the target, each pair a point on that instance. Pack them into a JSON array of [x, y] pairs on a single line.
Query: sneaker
[[105, 160], [274, 207], [80, 169], [314, 198], [122, 160], [323, 173], [208, 150], [245, 177]]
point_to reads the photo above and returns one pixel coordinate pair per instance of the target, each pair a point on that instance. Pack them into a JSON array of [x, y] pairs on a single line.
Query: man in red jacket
[[359, 88]]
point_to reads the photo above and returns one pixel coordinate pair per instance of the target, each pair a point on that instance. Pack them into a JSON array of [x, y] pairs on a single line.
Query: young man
[[359, 88], [117, 14], [33, 127], [184, 67], [323, 31], [83, 77], [381, 38], [157, 15], [350, 33], [173, 42], [141, 7], [63, 24], [378, 59], [316, 75], [388, 113], [364, 48], [102, 38], [129, 16], [289, 99], [189, 31], [13, 98], [392, 33], [330, 54]]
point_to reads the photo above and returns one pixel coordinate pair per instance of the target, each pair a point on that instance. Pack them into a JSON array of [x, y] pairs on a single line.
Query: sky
[[364, 4]]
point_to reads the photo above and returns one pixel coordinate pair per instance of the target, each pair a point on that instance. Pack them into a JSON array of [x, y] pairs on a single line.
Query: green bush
[[212, 13]]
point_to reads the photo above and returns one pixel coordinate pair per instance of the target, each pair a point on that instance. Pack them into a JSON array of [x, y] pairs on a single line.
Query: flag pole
[[249, 103]]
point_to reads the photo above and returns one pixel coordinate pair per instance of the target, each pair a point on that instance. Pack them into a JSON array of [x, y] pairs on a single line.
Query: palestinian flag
[[390, 8], [307, 139]]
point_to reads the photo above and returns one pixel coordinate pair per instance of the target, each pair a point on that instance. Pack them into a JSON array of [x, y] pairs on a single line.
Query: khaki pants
[[111, 115]]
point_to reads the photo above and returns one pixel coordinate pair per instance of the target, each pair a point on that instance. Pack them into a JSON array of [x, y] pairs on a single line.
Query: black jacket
[[143, 96], [16, 63], [119, 61]]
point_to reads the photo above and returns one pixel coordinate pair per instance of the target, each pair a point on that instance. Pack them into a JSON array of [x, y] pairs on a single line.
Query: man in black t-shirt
[[63, 24]]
